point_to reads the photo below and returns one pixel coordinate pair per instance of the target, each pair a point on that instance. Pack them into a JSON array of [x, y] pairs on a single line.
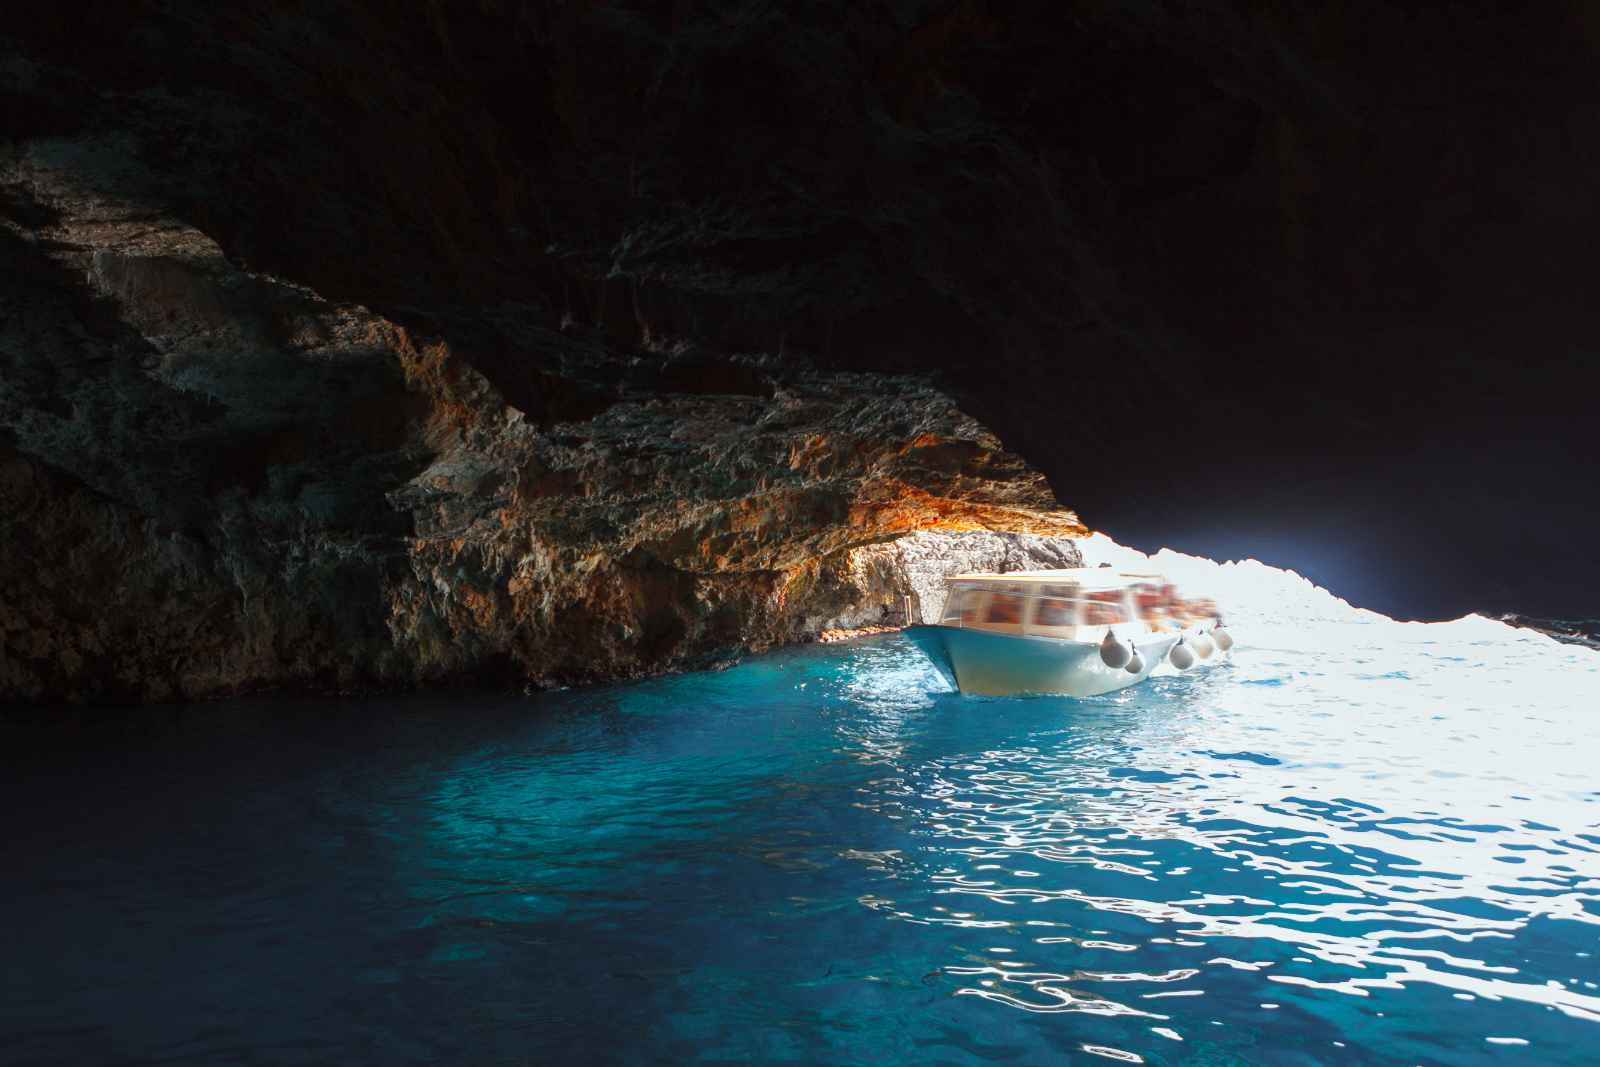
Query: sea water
[[1353, 841]]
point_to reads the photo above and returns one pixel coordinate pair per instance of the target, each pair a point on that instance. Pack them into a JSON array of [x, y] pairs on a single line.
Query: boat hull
[[989, 664]]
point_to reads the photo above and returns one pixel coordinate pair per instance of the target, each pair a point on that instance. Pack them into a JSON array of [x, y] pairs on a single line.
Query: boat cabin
[[1079, 604]]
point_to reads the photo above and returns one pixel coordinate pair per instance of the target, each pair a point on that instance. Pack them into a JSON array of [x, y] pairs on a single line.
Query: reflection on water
[[1357, 842]]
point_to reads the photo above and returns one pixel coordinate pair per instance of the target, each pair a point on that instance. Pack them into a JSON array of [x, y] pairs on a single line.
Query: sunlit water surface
[[1356, 842]]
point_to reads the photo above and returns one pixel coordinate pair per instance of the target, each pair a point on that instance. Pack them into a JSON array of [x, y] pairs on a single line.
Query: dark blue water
[[1303, 857]]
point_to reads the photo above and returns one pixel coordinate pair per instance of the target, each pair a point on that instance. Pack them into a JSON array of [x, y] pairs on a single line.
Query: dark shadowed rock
[[215, 480]]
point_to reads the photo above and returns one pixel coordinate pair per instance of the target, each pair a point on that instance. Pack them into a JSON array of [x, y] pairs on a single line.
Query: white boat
[[1077, 632]]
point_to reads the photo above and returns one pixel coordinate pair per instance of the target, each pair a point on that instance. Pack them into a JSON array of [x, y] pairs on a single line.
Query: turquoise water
[[1357, 842]]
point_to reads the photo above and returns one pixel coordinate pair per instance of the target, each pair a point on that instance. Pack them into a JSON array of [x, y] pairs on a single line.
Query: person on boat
[[1153, 601]]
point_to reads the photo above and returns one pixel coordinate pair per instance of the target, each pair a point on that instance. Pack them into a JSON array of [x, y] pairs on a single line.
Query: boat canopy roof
[[1083, 577]]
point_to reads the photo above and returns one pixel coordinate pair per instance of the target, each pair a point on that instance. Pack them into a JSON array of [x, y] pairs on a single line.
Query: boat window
[[1104, 608], [1005, 608], [1052, 611], [952, 606], [969, 607], [959, 605]]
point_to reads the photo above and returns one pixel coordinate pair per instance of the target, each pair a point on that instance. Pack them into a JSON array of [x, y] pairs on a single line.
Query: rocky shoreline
[[1582, 632]]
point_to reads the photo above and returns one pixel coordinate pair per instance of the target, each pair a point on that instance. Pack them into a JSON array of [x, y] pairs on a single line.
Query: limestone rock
[[214, 480]]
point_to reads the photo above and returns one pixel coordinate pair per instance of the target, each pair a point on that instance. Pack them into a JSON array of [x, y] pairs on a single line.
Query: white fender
[[1204, 646], [1223, 638], [1114, 652], [1182, 656], [1136, 664]]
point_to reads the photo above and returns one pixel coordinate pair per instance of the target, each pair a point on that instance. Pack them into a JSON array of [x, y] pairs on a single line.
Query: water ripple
[[1357, 841]]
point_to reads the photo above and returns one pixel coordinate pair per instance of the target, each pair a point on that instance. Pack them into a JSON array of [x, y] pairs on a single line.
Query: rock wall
[[214, 480]]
